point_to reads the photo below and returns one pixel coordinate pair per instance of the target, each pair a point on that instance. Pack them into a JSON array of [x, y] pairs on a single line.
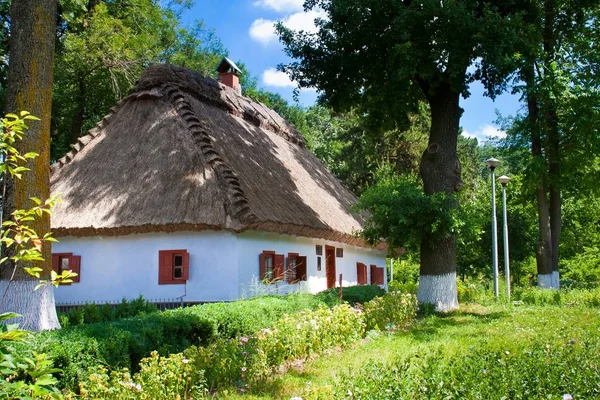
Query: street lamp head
[[492, 163], [503, 180]]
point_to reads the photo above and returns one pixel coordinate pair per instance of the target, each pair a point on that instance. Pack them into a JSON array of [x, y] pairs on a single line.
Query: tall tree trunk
[[33, 30], [440, 171], [553, 139], [544, 250]]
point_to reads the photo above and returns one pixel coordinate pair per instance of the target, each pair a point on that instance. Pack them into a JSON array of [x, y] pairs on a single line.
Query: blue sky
[[246, 29]]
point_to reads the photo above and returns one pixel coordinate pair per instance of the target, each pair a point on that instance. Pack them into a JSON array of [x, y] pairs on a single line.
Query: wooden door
[[330, 266]]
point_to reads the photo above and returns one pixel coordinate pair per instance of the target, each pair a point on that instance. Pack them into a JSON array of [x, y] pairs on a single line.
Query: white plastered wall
[[223, 266], [113, 268], [251, 244]]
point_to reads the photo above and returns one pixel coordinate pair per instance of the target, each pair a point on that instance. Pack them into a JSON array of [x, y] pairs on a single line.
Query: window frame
[[166, 266], [74, 266], [278, 267]]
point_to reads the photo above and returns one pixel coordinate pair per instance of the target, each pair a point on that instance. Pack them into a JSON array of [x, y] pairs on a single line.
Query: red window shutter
[[75, 264], [361, 273], [289, 276], [186, 266], [261, 266], [165, 266], [55, 263], [278, 267], [301, 268], [376, 275]]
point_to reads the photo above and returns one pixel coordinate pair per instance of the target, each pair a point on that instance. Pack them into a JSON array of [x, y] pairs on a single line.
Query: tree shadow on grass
[[429, 328]]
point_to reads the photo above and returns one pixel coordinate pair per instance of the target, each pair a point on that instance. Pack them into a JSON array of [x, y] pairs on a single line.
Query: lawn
[[517, 338]]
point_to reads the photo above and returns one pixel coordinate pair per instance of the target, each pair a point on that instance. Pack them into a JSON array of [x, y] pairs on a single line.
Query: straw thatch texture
[[186, 153]]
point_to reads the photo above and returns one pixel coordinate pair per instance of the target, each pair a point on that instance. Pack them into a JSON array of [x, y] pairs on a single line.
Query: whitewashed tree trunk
[[549, 281], [36, 307], [439, 290]]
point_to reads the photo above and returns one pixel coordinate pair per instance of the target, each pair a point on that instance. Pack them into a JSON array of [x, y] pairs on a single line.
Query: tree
[[383, 57], [32, 34], [561, 93], [103, 47]]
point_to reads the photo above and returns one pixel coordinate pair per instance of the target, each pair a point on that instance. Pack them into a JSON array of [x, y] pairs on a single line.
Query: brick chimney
[[229, 74]]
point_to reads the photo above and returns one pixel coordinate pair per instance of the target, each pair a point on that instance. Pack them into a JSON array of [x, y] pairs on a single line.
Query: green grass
[[495, 328]]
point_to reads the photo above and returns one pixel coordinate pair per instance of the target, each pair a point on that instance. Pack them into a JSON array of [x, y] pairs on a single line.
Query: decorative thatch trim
[[215, 94], [238, 204]]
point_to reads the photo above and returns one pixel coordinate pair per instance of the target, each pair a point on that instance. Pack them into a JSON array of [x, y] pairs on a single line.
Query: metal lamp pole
[[492, 163], [504, 180]]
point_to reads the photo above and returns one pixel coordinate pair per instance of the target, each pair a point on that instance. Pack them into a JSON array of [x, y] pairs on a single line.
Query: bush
[[93, 313], [537, 296], [170, 377], [242, 361], [352, 294], [124, 343], [392, 311], [410, 287]]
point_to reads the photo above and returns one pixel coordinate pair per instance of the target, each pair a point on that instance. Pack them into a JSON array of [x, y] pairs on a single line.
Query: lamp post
[[504, 180], [492, 163]]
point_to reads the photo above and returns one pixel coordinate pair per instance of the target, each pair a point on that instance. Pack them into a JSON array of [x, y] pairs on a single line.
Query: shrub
[[93, 313], [124, 343], [410, 287], [241, 361], [248, 360], [393, 310], [171, 377], [537, 296], [352, 294]]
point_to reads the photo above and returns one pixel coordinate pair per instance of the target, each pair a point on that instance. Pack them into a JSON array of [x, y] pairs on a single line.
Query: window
[[339, 252], [173, 266], [67, 262], [361, 273], [318, 263], [296, 268], [319, 249], [271, 268], [376, 275]]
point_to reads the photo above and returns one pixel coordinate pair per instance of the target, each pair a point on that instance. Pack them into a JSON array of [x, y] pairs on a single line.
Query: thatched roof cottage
[[187, 188]]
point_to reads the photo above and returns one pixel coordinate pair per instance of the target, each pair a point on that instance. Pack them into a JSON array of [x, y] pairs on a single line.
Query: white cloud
[[485, 132], [493, 132], [263, 30], [272, 77], [281, 5]]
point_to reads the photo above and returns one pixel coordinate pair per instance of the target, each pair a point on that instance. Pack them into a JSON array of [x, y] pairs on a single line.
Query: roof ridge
[[238, 202]]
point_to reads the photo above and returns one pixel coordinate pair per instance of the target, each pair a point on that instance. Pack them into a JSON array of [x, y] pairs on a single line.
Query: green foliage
[[23, 372], [392, 311], [242, 362], [570, 297], [404, 215], [541, 370], [250, 360], [352, 294], [583, 267], [171, 377], [102, 48], [94, 313], [123, 343]]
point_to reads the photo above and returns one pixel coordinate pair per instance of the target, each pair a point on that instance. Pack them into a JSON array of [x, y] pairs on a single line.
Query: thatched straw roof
[[184, 152]]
